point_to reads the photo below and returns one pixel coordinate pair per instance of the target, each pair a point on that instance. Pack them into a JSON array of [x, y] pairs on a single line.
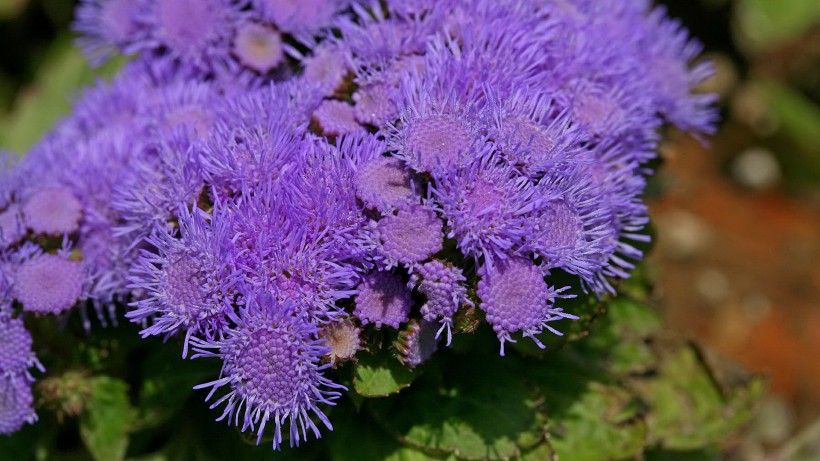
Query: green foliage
[[378, 375], [765, 24], [105, 423]]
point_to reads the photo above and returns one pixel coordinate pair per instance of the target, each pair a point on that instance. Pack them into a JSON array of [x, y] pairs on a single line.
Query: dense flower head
[[49, 284], [106, 26], [271, 367], [418, 342], [409, 236], [12, 226], [515, 297], [15, 344], [383, 299], [16, 401], [258, 46], [53, 210], [184, 284], [443, 286]]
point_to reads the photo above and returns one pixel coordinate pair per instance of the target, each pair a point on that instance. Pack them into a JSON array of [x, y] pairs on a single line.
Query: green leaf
[[590, 417], [379, 375], [474, 407], [688, 409], [104, 424]]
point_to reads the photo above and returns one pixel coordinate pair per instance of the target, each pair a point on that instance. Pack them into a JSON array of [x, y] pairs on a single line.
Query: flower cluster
[[272, 182]]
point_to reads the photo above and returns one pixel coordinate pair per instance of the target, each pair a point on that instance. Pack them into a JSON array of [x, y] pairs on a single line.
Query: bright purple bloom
[[108, 26], [443, 286], [185, 285], [488, 207], [49, 284], [336, 117], [16, 401], [271, 367], [516, 298], [299, 15], [383, 299], [411, 235], [325, 68], [53, 210], [15, 345], [418, 342]]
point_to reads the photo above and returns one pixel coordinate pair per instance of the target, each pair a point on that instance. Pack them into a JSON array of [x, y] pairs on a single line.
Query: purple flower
[[52, 210], [48, 284], [437, 130], [196, 32], [108, 26], [15, 346], [336, 117], [271, 367], [418, 342], [411, 235], [488, 207], [16, 401], [383, 299], [258, 46], [325, 69], [516, 298], [442, 284], [299, 15]]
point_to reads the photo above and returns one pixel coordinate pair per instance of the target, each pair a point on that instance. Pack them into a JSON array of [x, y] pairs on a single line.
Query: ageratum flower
[[438, 130], [185, 284], [382, 183], [515, 297], [48, 284], [12, 226], [443, 286], [570, 224], [52, 210], [488, 207], [16, 401], [409, 236], [418, 342], [271, 367], [15, 346], [336, 117], [299, 16], [258, 46], [383, 299], [109, 26], [194, 32]]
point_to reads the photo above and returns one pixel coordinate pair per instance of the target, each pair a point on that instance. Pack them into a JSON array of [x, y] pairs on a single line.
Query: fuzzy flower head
[[438, 128], [487, 207], [382, 183], [48, 284], [418, 342], [336, 117], [516, 298], [196, 32], [298, 15], [53, 210], [343, 339], [325, 68], [15, 345], [186, 285], [411, 235], [12, 227], [271, 367], [16, 402], [443, 286], [106, 26], [383, 299], [258, 46]]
